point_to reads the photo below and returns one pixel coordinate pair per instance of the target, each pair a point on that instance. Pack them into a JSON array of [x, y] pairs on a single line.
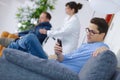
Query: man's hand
[[43, 31], [58, 51], [99, 50]]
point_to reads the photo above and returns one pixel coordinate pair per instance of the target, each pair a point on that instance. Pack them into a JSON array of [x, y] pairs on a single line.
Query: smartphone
[[60, 42]]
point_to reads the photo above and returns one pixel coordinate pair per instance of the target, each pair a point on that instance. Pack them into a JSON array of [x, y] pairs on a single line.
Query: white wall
[[8, 10], [113, 36]]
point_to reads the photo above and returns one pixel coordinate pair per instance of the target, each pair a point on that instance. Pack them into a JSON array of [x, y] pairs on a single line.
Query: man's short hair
[[101, 23], [48, 16]]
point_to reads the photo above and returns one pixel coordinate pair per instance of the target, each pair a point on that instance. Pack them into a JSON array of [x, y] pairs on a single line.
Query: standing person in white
[[69, 33]]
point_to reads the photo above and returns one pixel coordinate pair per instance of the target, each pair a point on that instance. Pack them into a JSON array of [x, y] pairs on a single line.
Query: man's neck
[[95, 42]]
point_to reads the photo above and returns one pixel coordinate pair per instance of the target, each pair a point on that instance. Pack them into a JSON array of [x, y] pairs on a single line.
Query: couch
[[18, 65]]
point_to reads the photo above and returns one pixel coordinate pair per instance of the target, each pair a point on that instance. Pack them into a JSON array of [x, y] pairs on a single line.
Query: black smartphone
[[60, 42]]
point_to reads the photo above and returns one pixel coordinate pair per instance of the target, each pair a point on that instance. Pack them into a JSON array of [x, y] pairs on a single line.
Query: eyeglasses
[[92, 32]]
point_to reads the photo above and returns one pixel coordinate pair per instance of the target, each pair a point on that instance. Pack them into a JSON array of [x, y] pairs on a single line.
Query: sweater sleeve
[[23, 33], [67, 29]]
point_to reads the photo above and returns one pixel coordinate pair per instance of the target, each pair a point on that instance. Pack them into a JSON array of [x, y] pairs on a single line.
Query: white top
[[69, 33]]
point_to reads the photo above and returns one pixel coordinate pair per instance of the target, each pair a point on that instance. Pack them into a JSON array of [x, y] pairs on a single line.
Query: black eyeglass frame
[[91, 31]]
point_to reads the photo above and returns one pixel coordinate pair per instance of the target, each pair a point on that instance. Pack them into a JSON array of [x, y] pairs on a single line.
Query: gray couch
[[18, 65]]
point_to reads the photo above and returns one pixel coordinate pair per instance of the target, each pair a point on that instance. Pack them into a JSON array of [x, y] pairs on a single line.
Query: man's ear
[[48, 20], [103, 35]]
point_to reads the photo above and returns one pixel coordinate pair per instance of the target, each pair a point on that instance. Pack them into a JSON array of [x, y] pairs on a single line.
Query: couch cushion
[[49, 68], [101, 67]]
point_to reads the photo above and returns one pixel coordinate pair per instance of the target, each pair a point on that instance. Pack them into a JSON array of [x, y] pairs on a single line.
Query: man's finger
[[57, 44], [58, 48]]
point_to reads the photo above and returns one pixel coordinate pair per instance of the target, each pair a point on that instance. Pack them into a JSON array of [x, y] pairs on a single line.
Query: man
[[25, 42], [95, 35], [44, 19]]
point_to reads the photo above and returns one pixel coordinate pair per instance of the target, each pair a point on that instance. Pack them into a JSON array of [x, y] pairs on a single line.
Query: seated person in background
[[44, 19], [21, 43], [75, 60]]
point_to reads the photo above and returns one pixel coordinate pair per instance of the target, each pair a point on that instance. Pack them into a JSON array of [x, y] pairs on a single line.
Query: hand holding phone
[[60, 42]]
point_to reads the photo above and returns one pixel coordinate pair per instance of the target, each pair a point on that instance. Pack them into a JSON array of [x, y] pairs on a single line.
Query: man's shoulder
[[44, 24], [100, 44], [95, 44]]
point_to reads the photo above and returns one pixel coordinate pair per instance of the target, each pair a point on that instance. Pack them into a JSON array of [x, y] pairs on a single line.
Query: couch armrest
[[49, 68]]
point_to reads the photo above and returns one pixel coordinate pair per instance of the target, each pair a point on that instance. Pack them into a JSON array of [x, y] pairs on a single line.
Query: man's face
[[43, 18], [93, 34]]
